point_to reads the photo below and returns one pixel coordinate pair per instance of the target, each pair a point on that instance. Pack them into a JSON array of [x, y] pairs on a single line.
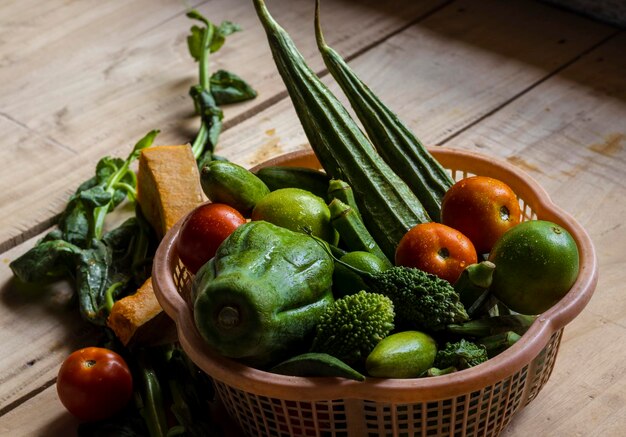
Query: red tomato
[[436, 248], [203, 231], [94, 383], [482, 208]]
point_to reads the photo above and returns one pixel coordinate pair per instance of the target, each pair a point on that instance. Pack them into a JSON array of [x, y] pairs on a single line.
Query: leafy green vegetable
[[228, 88], [103, 267], [220, 88], [461, 355]]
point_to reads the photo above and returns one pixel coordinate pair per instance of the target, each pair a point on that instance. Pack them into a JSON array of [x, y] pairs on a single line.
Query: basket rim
[[512, 360]]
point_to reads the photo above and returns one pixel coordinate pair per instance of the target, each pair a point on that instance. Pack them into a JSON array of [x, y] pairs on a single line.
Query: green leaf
[[204, 159], [132, 246], [221, 32], [106, 167], [227, 88], [143, 143], [195, 15], [92, 281], [94, 197], [47, 260], [194, 42], [227, 28], [75, 222]]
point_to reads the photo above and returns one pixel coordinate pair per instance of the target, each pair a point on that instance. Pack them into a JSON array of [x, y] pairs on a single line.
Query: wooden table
[[539, 87]]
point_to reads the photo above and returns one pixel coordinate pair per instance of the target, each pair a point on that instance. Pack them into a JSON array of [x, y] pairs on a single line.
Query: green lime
[[346, 281], [296, 209], [405, 354], [536, 265]]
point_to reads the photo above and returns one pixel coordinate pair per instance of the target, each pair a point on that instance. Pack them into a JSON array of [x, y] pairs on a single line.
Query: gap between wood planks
[[26, 397], [43, 225]]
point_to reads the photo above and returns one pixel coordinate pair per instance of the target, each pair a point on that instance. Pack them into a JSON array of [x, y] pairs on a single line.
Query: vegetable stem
[[116, 179], [108, 296], [352, 230]]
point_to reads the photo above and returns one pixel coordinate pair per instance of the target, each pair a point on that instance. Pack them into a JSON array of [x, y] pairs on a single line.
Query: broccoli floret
[[353, 325], [461, 354], [421, 299]]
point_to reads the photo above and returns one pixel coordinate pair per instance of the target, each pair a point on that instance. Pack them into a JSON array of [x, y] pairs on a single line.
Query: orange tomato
[[482, 208], [436, 248]]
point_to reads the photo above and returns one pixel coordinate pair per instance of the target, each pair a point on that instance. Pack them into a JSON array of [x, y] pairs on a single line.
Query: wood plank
[[43, 415], [43, 156], [569, 134], [98, 84]]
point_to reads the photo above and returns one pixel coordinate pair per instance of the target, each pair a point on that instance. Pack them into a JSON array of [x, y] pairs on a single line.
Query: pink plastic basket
[[477, 401]]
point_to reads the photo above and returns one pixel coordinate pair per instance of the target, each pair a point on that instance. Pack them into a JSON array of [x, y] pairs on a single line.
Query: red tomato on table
[[482, 208], [436, 248], [94, 383], [203, 231]]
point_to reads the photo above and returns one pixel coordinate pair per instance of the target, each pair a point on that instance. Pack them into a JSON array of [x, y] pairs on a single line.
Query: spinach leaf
[[102, 267], [221, 32], [227, 88], [48, 260], [92, 281]]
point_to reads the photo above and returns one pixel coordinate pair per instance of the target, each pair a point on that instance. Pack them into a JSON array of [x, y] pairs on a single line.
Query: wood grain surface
[[545, 91]]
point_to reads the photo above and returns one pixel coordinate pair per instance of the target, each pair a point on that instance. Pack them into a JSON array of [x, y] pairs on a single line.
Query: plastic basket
[[477, 401]]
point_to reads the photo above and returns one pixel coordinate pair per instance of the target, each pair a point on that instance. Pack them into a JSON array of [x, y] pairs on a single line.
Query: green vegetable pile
[[380, 320]]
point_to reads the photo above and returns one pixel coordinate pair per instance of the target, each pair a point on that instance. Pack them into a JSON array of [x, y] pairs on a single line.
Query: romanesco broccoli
[[462, 354], [353, 325]]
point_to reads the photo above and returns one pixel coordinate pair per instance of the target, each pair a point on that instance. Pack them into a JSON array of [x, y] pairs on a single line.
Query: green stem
[[517, 323], [197, 147], [108, 295], [499, 342], [116, 178], [200, 141], [101, 211], [204, 58], [352, 230], [338, 189], [131, 192]]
